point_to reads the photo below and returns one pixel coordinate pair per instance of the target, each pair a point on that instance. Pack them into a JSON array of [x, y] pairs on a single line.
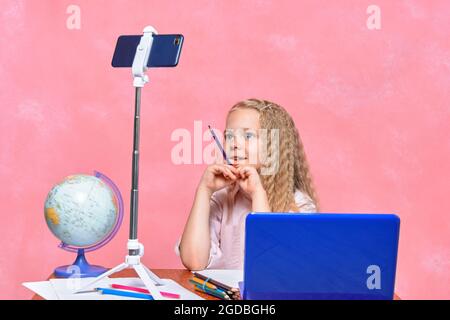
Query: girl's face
[[241, 137]]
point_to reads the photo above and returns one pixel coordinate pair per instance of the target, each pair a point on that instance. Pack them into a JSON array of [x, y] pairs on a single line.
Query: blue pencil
[[124, 293], [219, 145]]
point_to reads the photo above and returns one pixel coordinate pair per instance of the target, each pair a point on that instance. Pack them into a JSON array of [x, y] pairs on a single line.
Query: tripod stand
[[135, 248]]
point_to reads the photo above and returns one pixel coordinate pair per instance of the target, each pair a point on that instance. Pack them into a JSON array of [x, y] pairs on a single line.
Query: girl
[[275, 181]]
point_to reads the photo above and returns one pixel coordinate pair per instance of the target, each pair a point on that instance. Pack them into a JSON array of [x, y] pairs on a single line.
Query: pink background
[[372, 107]]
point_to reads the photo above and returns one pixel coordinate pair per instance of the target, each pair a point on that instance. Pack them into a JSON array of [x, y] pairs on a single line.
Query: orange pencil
[[202, 282], [216, 283], [217, 294]]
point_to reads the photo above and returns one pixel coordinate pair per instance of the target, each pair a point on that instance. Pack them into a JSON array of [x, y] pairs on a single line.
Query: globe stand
[[135, 248], [80, 267]]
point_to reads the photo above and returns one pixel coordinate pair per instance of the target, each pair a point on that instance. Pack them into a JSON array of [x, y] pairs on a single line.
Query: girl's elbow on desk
[[193, 264], [192, 261]]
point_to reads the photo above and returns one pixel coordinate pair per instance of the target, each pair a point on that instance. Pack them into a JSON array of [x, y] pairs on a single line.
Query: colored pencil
[[202, 282], [210, 285], [218, 292], [201, 285], [216, 283], [219, 145], [142, 290], [212, 292], [124, 293]]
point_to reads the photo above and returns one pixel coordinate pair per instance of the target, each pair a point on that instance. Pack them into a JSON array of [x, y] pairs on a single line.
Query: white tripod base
[[150, 279]]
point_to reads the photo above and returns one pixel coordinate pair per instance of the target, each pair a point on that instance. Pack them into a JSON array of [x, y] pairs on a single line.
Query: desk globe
[[84, 212]]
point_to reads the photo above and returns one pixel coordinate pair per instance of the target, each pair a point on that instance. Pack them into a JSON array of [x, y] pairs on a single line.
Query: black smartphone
[[165, 52]]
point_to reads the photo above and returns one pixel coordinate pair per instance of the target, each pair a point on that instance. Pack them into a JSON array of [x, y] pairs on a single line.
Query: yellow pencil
[[202, 282], [216, 294]]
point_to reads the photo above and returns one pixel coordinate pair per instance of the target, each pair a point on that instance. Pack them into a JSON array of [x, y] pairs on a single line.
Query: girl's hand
[[249, 180], [218, 176]]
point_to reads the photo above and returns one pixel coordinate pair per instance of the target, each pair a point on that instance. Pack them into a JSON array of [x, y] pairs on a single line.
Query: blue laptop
[[320, 256]]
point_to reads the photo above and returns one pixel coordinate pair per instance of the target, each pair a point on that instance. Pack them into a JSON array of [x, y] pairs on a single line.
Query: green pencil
[[216, 293]]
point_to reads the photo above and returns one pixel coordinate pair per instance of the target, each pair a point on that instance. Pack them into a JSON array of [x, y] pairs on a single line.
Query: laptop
[[320, 256]]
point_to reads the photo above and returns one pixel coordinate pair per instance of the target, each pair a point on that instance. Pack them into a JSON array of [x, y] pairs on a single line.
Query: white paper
[[174, 287], [42, 288], [229, 277], [62, 289]]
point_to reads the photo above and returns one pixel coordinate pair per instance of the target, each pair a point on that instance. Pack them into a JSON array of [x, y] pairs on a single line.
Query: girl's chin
[[244, 163]]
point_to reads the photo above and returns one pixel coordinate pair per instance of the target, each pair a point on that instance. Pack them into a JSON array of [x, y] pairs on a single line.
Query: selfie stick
[[135, 248]]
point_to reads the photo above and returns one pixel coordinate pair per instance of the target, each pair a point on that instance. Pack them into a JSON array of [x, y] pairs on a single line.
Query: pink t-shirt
[[227, 230]]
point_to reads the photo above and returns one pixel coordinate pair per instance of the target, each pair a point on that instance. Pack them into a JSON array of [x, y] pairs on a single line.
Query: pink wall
[[372, 107]]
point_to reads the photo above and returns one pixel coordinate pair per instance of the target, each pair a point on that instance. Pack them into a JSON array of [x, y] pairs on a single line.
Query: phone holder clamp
[[143, 50]]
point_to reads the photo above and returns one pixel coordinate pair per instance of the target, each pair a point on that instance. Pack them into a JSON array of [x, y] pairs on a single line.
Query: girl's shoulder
[[304, 202]]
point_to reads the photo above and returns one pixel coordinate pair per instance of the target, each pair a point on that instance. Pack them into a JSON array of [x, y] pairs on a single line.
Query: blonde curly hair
[[293, 169]]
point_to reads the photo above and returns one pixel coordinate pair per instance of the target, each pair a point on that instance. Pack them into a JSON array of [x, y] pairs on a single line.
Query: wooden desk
[[180, 276]]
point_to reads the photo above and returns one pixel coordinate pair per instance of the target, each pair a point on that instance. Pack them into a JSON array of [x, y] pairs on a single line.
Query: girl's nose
[[238, 143], [236, 146]]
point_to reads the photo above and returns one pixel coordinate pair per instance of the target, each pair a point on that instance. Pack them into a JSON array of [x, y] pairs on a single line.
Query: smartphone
[[165, 52]]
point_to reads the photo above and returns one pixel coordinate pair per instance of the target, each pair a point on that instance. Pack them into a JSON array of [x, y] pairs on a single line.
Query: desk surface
[[181, 276]]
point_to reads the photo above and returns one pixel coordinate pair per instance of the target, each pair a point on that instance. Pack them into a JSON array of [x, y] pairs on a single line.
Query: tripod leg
[[118, 268], [142, 273], [157, 280]]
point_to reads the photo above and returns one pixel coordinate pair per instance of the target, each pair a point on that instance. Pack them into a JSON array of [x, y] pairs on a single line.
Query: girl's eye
[[249, 135], [228, 136]]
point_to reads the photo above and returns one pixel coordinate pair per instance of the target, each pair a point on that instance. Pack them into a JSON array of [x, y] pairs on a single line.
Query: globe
[[84, 212]]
